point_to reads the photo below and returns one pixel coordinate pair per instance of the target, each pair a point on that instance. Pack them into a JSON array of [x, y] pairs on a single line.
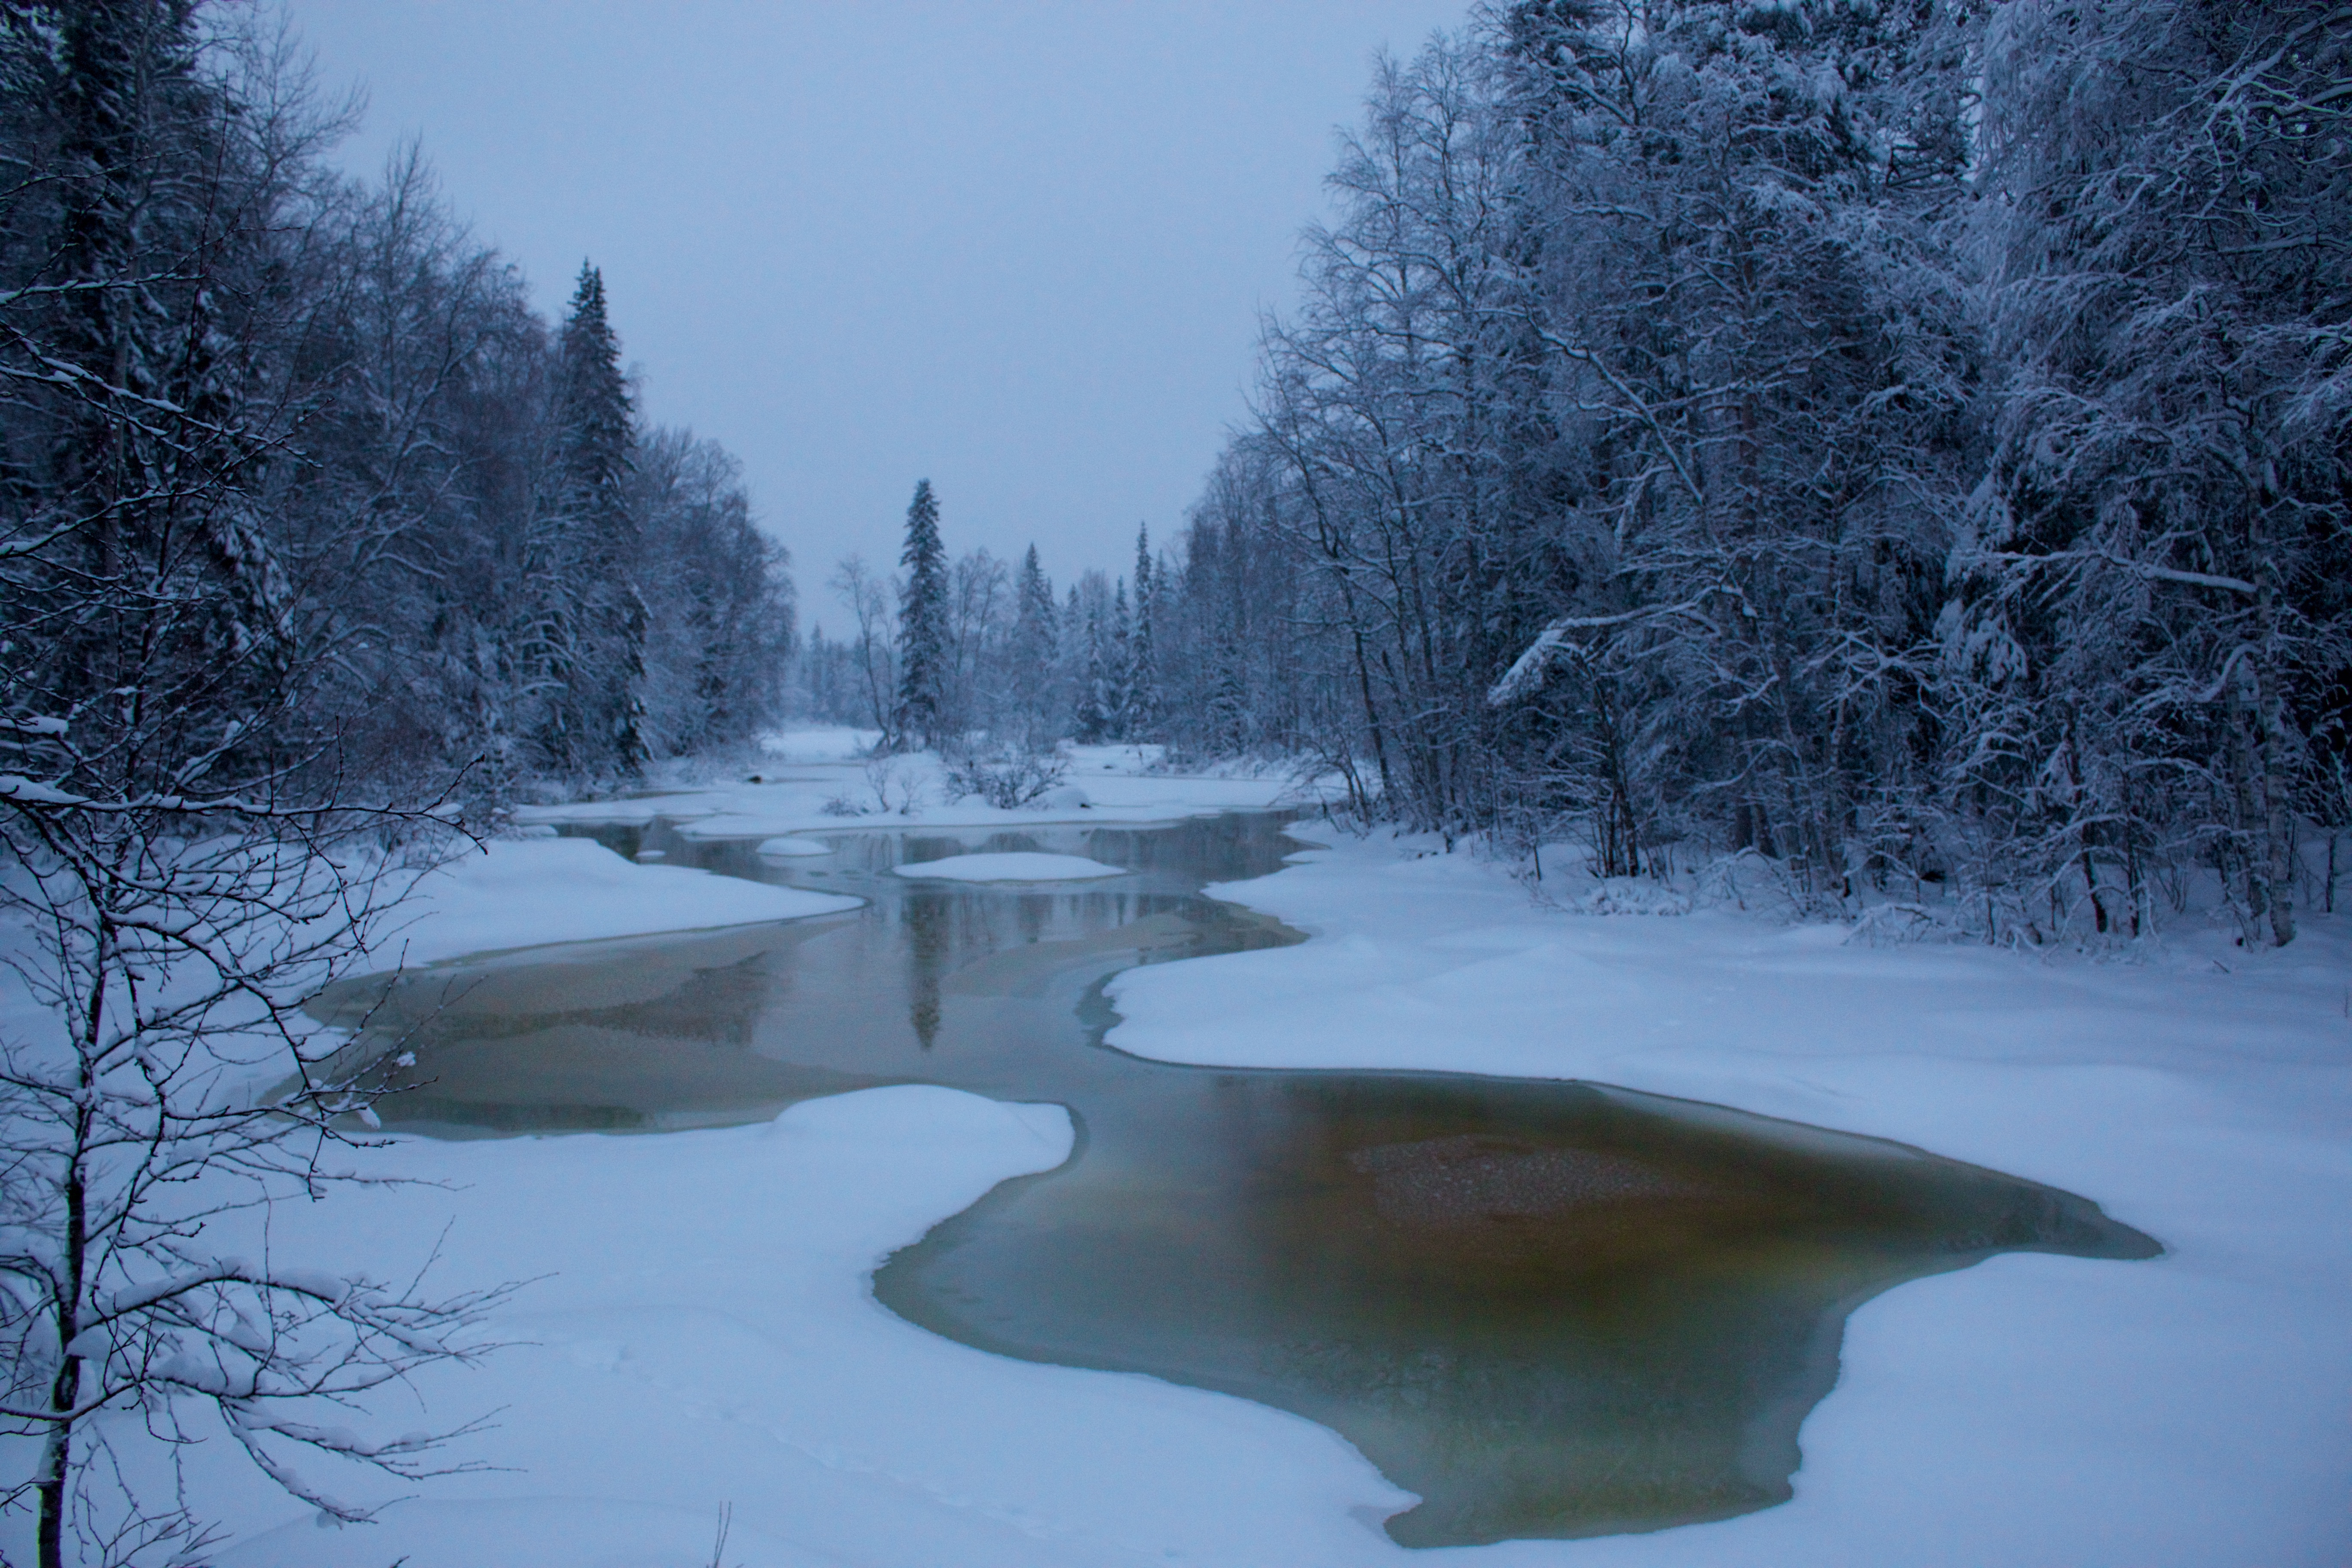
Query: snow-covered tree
[[925, 656], [979, 606], [2153, 604], [1096, 719], [190, 851], [591, 619], [1140, 716], [1036, 683], [872, 654], [719, 635], [1897, 442]]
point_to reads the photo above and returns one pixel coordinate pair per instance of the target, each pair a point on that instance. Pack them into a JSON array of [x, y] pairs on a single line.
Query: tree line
[[313, 537], [975, 652], [1904, 442], [293, 446]]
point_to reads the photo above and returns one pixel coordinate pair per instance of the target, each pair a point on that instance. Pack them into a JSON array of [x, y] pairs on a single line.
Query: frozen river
[[1551, 1308]]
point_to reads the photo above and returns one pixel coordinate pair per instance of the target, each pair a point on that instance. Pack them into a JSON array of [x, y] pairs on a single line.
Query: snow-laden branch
[[1527, 671], [18, 790], [2147, 570]]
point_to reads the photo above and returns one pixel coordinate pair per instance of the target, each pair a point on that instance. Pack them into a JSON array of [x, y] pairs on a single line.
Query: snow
[[704, 1335], [836, 743], [823, 788], [790, 848], [2033, 1410], [700, 1332], [15, 787], [526, 892], [1015, 866]]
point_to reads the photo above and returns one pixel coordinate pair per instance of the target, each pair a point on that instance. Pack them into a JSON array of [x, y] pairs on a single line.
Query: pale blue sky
[[1018, 248]]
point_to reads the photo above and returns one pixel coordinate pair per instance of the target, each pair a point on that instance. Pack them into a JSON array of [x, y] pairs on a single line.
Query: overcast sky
[[1019, 248]]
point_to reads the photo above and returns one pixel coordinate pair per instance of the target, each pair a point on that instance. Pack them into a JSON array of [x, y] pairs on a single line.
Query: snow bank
[[702, 1331], [826, 788], [526, 892], [1022, 867], [2028, 1411], [827, 743], [704, 1334]]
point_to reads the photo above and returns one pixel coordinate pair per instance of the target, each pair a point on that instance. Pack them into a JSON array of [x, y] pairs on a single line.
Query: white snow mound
[[792, 846], [1019, 867], [525, 892]]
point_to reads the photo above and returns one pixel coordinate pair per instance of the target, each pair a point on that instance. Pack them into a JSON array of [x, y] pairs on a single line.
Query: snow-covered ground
[[699, 1332], [703, 1335], [814, 783], [2031, 1410]]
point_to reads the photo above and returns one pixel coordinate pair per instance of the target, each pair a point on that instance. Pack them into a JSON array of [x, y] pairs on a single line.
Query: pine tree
[[1033, 649], [923, 651], [1142, 704], [1119, 667], [591, 619], [1096, 717]]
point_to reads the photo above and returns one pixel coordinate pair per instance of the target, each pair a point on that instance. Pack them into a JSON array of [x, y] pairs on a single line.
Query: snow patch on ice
[[790, 849], [1026, 866]]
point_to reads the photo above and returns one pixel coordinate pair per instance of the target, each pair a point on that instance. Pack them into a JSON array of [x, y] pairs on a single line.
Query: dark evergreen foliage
[[1140, 704], [588, 652], [923, 650], [1036, 653]]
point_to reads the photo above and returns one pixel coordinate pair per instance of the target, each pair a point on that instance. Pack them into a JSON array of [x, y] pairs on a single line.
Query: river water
[[1551, 1308]]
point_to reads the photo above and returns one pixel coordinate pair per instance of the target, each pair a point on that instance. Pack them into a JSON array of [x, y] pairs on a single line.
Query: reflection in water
[[1551, 1308], [926, 917]]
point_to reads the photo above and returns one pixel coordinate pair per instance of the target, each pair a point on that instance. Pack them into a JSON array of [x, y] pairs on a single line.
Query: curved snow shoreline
[[707, 1336], [531, 892], [2029, 1410], [674, 1358]]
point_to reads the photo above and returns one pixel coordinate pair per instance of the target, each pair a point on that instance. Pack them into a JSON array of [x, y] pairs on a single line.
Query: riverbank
[[2030, 1410], [699, 1332], [817, 781]]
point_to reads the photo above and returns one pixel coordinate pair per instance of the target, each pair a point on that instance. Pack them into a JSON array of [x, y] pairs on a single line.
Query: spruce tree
[[1142, 705], [1094, 719], [589, 636], [922, 623], [1033, 647], [1119, 662], [1075, 642]]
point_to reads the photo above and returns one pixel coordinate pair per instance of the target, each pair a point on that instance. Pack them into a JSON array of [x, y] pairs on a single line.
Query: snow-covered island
[[1015, 866]]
